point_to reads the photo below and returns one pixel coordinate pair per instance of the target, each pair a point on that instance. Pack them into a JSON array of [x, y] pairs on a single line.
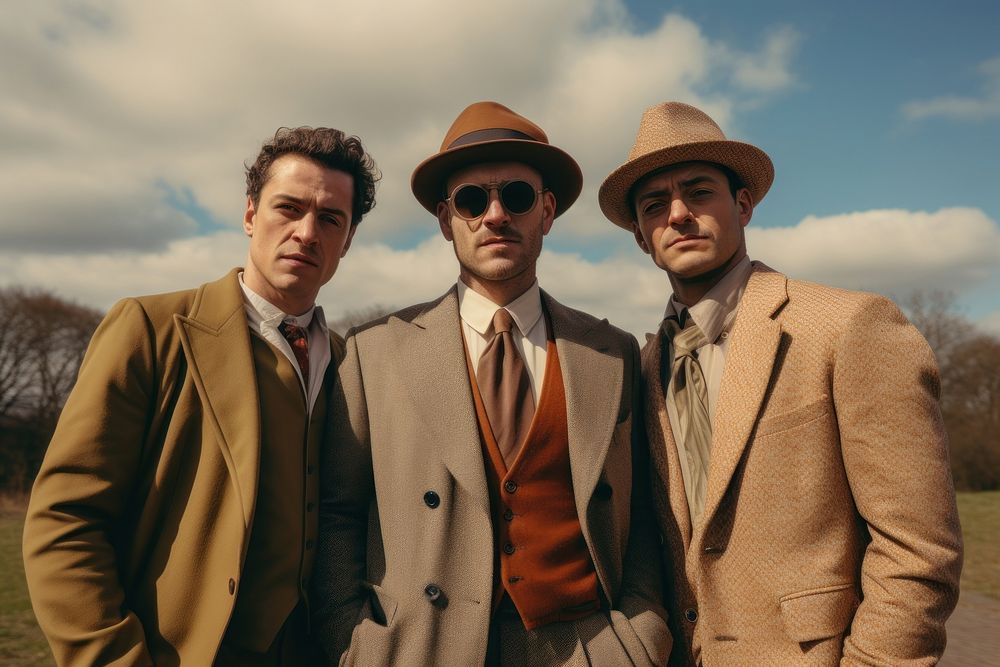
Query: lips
[[498, 240], [686, 237], [300, 258]]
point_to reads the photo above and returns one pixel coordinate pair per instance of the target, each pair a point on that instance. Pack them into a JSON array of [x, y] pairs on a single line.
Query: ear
[[548, 211], [350, 237], [638, 237], [249, 216], [744, 206], [444, 220]]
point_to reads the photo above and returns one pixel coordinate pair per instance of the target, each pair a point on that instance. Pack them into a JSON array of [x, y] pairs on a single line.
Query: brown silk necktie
[[690, 394], [296, 337], [505, 388]]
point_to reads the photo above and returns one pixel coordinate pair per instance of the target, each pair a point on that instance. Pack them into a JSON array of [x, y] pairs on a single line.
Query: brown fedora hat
[[490, 132], [671, 133]]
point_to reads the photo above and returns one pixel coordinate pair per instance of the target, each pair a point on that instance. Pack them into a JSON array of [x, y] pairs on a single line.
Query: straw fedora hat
[[673, 132], [490, 132]]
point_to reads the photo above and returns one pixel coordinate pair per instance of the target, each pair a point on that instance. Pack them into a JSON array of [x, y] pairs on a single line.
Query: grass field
[[22, 644]]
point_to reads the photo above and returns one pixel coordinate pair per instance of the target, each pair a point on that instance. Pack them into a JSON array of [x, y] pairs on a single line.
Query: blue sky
[[126, 126]]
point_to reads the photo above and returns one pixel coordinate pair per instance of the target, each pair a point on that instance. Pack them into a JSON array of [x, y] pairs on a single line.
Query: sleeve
[[886, 389], [82, 491], [642, 589], [347, 490]]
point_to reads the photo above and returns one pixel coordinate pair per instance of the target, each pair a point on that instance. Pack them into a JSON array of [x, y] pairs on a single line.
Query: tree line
[[43, 339]]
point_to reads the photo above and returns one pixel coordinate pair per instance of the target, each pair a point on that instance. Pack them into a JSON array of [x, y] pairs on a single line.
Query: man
[[484, 496], [173, 521], [800, 463]]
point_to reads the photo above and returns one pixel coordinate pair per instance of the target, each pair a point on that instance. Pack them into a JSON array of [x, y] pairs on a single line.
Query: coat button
[[432, 499], [508, 515], [508, 548], [510, 486], [691, 615], [435, 595], [232, 586], [603, 491]]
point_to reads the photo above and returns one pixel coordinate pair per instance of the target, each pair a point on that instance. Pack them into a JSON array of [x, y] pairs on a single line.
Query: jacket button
[[508, 515], [603, 491], [510, 486], [435, 595], [232, 586], [508, 548], [432, 499], [691, 615], [310, 544]]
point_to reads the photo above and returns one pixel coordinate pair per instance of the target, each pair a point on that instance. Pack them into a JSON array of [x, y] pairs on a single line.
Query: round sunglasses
[[470, 201]]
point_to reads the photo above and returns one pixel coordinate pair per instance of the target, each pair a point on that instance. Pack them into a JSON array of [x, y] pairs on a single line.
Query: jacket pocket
[[783, 421], [818, 613]]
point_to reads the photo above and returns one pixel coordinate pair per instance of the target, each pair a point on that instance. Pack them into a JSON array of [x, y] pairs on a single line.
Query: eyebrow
[[701, 178], [283, 196]]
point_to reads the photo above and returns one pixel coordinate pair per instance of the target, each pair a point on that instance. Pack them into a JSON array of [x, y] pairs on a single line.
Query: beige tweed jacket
[[404, 569], [830, 531]]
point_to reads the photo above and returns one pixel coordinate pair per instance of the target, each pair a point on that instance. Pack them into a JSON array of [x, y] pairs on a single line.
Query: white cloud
[[108, 99], [982, 107], [891, 252]]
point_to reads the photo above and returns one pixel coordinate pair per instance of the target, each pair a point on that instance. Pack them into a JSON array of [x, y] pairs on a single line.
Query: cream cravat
[[690, 395]]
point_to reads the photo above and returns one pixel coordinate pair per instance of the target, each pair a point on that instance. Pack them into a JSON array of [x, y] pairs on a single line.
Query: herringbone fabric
[[505, 388], [690, 395]]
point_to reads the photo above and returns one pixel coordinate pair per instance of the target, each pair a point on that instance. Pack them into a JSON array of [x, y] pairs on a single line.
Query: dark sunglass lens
[[518, 197], [471, 201]]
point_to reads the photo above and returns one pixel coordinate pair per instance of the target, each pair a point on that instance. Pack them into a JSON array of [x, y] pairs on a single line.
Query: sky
[[125, 128]]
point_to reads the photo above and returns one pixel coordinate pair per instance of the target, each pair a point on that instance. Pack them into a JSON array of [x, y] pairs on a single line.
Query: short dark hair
[[331, 148], [735, 182]]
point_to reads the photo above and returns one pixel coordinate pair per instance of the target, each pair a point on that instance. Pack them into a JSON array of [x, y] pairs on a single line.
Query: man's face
[[299, 230], [498, 249], [689, 222]]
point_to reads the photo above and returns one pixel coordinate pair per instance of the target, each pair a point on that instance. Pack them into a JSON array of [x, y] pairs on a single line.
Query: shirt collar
[[261, 312], [715, 312], [477, 311]]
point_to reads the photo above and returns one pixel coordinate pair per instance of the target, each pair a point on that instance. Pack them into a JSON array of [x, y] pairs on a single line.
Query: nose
[[307, 229], [496, 215], [679, 212]]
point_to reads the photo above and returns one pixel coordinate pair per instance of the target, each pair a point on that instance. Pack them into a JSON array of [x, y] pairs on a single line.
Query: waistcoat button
[[508, 548], [510, 486], [232, 586], [508, 515], [691, 615], [432, 499]]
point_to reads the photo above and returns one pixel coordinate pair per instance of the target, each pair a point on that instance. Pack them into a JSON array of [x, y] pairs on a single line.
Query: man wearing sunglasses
[[484, 499]]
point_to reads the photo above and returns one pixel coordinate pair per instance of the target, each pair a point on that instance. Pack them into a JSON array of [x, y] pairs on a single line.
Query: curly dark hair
[[331, 148]]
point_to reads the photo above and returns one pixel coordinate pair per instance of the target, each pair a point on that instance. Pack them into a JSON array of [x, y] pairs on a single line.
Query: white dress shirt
[[529, 332], [264, 318]]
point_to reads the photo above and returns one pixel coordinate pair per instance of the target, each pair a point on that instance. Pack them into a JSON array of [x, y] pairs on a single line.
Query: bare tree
[[42, 342]]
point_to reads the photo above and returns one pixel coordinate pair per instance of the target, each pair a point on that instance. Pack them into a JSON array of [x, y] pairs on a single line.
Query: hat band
[[491, 134]]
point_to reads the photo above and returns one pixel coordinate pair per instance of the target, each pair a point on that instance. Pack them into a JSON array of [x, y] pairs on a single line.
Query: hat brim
[[560, 172], [749, 162]]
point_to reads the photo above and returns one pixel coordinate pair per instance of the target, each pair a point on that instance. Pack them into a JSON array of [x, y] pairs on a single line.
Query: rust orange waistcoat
[[544, 564]]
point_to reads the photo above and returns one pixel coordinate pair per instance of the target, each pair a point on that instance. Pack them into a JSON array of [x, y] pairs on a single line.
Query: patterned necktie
[[690, 394], [505, 388], [297, 338]]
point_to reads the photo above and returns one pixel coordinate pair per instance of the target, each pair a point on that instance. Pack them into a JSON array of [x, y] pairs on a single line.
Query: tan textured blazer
[[830, 523], [406, 470], [139, 518]]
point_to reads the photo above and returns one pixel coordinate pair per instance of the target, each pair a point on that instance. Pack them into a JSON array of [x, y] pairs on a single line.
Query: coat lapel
[[663, 449], [430, 358], [216, 342], [593, 383], [750, 359]]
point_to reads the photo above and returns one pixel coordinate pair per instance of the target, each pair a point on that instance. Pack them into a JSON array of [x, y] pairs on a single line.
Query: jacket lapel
[[430, 358], [593, 383], [216, 341], [750, 359], [663, 448]]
